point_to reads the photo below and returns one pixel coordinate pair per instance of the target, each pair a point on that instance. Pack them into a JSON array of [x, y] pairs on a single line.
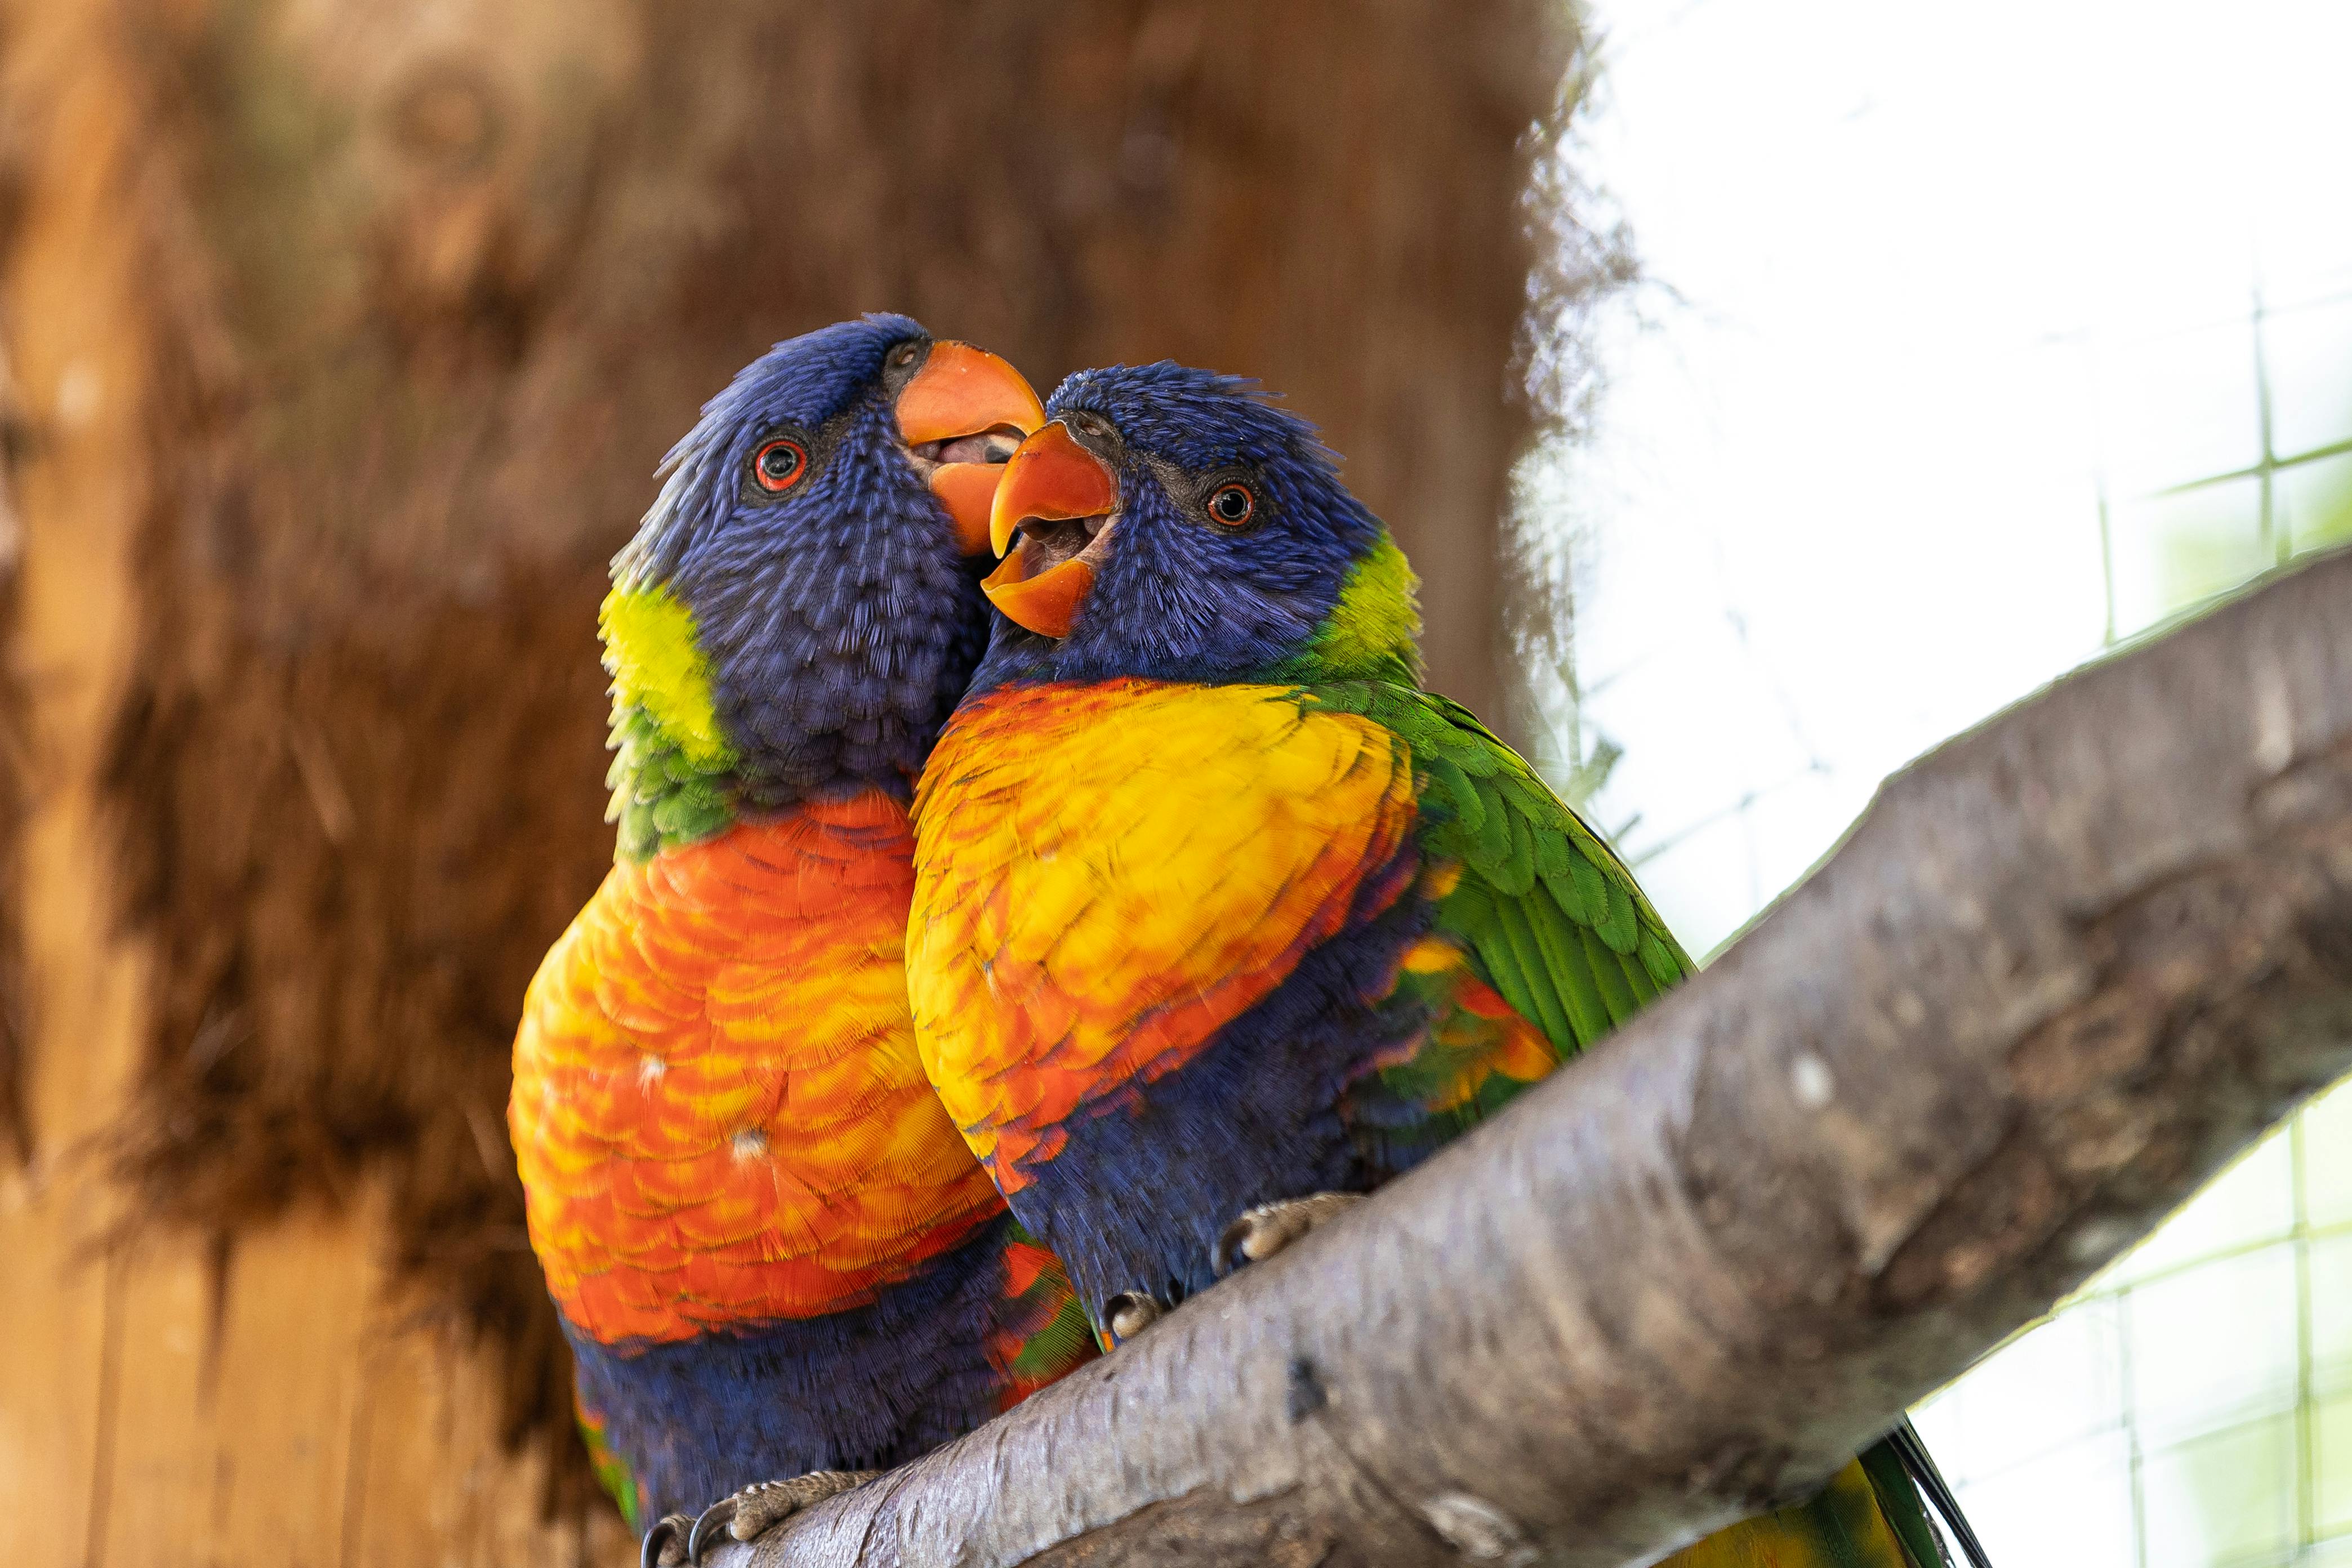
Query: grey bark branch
[[2064, 968]]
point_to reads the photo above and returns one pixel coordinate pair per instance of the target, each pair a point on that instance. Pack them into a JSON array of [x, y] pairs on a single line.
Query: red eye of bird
[[778, 464], [1232, 504]]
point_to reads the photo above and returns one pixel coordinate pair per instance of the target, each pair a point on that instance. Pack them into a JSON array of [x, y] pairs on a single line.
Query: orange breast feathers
[[1106, 875], [719, 1112]]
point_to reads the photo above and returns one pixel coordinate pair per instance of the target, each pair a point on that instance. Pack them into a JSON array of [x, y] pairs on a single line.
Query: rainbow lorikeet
[[772, 1251], [1219, 915]]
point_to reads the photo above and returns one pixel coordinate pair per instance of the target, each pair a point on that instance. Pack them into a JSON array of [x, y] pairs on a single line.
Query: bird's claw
[[1263, 1231], [1130, 1312], [762, 1506], [667, 1543]]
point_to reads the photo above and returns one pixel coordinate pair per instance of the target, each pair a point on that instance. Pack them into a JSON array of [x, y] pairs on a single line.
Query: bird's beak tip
[[1051, 478], [963, 391]]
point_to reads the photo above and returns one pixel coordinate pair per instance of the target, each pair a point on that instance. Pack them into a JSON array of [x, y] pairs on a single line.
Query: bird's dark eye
[[904, 354], [779, 465], [1089, 424], [1231, 505]]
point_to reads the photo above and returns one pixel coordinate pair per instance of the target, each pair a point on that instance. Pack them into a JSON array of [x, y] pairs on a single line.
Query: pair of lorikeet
[[985, 964]]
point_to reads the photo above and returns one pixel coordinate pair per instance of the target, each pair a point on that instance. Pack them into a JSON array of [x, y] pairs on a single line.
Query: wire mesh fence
[[1979, 346], [2192, 1407]]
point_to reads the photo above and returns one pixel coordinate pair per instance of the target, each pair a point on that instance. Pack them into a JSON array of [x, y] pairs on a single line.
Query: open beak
[[962, 413], [1058, 498]]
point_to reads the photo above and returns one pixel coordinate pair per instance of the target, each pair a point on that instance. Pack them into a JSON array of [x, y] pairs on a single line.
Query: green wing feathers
[[1556, 924], [1552, 917]]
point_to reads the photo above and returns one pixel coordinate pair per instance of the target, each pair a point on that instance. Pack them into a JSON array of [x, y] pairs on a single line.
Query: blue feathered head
[[1178, 525], [816, 542]]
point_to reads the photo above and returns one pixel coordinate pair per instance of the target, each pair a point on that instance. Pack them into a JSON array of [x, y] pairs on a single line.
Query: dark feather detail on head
[[1180, 597], [839, 619]]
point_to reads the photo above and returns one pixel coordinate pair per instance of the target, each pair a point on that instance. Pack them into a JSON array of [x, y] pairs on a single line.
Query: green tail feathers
[[1898, 1496]]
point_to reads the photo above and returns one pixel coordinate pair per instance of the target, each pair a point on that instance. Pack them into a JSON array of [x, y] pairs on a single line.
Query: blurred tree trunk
[[345, 335]]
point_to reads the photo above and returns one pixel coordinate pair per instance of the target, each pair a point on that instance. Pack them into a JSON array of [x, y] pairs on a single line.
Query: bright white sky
[[1938, 271], [1943, 279]]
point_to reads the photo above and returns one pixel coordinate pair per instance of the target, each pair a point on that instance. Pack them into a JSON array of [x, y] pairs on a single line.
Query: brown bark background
[[345, 335], [15, 778]]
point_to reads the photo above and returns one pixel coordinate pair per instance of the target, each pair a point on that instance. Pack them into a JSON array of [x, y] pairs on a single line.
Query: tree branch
[[2064, 969]]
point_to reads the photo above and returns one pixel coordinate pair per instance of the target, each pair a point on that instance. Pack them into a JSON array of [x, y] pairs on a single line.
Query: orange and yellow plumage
[[1028, 1021], [769, 1247], [718, 1107]]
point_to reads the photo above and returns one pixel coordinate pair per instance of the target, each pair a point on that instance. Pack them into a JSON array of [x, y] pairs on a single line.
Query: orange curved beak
[[963, 391], [1051, 478]]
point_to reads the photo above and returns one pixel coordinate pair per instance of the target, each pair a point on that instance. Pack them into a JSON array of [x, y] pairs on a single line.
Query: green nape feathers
[[1373, 633], [671, 758], [1558, 923]]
